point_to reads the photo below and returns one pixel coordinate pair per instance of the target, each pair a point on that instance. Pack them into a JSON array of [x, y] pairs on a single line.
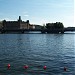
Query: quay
[[40, 30]]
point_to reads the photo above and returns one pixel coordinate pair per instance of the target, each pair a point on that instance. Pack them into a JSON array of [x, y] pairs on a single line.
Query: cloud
[[8, 19], [25, 12], [26, 15]]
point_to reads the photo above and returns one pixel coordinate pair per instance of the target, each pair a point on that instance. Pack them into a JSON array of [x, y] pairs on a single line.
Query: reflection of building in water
[[19, 24]]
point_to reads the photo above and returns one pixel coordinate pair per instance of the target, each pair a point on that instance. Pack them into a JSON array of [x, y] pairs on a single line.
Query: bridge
[[41, 30], [69, 29]]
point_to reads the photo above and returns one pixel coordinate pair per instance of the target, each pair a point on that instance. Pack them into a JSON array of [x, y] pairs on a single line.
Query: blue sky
[[38, 11]]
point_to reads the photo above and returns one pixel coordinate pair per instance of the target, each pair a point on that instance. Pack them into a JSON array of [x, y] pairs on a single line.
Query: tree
[[49, 25], [57, 25]]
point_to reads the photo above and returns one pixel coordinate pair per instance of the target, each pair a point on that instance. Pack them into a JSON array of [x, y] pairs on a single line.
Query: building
[[19, 24], [0, 24], [31, 26], [38, 26]]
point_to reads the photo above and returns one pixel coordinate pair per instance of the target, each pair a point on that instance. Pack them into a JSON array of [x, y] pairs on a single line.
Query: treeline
[[57, 27]]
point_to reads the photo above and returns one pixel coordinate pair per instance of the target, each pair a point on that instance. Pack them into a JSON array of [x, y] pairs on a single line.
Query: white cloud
[[26, 15], [8, 19], [25, 12]]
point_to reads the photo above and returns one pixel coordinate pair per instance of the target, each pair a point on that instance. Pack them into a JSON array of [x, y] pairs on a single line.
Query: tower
[[19, 18], [19, 21]]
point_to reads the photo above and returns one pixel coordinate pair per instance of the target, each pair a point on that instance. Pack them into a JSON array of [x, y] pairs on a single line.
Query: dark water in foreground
[[56, 51]]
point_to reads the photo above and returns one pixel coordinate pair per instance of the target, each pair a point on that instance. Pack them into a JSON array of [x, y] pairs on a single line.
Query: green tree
[[57, 25]]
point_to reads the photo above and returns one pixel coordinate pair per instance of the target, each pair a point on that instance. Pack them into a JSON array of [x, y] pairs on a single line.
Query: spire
[[19, 18]]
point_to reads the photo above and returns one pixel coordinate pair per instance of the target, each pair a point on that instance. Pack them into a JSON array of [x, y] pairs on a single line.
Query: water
[[56, 51]]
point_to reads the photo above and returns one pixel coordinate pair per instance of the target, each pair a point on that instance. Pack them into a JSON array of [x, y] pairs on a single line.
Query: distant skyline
[[39, 11]]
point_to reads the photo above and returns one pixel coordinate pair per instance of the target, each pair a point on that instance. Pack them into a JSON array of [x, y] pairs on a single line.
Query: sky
[[39, 11]]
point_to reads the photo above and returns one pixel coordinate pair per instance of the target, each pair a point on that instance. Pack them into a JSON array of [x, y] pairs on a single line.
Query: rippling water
[[56, 51]]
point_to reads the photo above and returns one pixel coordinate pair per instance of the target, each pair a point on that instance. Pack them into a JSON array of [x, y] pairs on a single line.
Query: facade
[[38, 26], [31, 26], [0, 24], [19, 24]]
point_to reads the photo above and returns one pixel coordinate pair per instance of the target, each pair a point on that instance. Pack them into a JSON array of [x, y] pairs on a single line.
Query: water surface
[[56, 51]]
